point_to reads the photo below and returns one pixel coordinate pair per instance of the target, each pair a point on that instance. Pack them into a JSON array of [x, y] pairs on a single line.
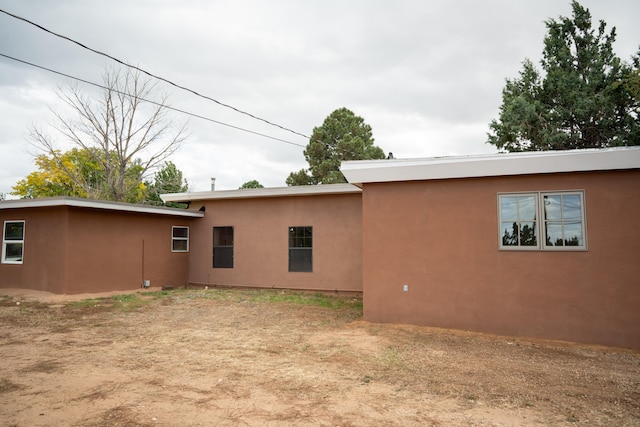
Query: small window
[[222, 247], [179, 239], [301, 249], [542, 221], [563, 220], [13, 242], [518, 215]]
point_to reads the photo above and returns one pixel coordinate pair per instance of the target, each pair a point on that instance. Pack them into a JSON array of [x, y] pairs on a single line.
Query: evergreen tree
[[342, 136], [584, 98]]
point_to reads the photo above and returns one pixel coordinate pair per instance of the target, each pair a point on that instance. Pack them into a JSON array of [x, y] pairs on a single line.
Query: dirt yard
[[245, 357]]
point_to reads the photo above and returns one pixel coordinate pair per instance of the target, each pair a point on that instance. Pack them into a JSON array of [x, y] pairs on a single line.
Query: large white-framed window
[[179, 239], [544, 220], [13, 242]]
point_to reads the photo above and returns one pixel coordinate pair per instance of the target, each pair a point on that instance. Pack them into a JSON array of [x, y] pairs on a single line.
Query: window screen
[[222, 247], [301, 249]]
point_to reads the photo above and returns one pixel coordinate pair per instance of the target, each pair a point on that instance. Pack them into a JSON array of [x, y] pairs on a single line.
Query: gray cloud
[[427, 76]]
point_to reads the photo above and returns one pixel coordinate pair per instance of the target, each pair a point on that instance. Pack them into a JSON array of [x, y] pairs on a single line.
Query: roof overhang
[[253, 193], [97, 204], [527, 163]]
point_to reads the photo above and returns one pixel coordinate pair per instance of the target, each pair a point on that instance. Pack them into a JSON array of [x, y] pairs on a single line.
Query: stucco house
[[71, 246], [306, 237], [523, 244]]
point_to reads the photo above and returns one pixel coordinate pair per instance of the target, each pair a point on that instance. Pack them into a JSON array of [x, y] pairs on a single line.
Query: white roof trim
[[252, 193], [539, 162], [96, 204]]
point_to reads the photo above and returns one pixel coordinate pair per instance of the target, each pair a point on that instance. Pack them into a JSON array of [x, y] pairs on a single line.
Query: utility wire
[[149, 101], [153, 75]]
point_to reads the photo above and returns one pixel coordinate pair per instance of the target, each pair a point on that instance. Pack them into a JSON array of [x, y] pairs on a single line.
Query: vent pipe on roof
[[213, 184]]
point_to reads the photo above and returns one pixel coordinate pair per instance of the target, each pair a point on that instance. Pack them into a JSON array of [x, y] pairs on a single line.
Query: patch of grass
[[351, 306], [390, 357], [121, 303], [154, 295], [307, 298]]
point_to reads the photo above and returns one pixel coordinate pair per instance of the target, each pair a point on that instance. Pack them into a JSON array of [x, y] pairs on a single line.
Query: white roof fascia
[[95, 204], [252, 193], [539, 162]]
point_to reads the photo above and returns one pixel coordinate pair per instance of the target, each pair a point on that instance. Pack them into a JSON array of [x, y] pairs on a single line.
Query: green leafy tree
[[124, 133], [167, 180], [342, 136], [251, 184], [75, 173], [580, 100]]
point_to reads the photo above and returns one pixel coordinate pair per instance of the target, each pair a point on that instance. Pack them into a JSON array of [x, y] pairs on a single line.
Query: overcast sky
[[426, 75]]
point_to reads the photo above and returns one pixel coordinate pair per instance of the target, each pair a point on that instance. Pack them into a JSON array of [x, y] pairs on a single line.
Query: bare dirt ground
[[241, 357]]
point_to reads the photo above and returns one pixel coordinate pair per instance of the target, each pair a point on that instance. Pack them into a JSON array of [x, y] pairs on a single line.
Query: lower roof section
[[97, 204], [500, 164], [252, 193]]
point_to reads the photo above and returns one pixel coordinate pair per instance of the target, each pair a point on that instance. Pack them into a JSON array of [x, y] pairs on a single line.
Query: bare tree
[[122, 130]]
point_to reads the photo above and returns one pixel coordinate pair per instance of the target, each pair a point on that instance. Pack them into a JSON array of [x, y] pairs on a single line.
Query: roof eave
[[95, 204], [491, 165], [253, 193]]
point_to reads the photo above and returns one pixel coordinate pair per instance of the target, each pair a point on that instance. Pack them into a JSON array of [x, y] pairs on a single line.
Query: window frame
[[541, 221], [300, 245], [175, 238], [6, 242], [232, 246]]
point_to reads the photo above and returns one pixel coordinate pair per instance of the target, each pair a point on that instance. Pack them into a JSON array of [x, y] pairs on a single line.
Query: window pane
[[571, 207], [300, 237], [14, 231], [13, 252], [180, 245], [223, 257], [563, 220], [181, 232], [508, 208], [553, 207], [554, 234], [573, 234], [223, 236], [526, 208], [509, 234], [528, 234], [300, 260], [518, 214]]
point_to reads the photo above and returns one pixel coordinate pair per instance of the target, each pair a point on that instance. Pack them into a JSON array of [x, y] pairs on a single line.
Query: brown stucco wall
[[71, 250], [45, 243], [261, 242], [441, 239], [105, 251]]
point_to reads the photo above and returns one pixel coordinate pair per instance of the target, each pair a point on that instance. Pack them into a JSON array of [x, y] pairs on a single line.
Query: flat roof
[[252, 193], [97, 204], [485, 165]]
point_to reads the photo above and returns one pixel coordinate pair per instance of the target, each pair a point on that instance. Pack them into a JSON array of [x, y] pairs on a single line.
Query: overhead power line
[[153, 75], [150, 101]]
